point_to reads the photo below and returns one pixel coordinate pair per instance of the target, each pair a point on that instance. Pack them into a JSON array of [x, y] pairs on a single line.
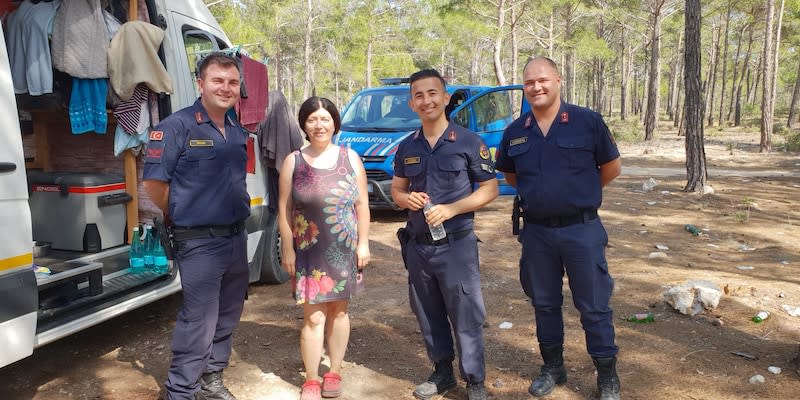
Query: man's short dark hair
[[426, 73], [542, 58], [314, 103], [217, 58]]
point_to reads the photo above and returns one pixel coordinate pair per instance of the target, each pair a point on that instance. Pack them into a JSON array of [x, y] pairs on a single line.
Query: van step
[[112, 286]]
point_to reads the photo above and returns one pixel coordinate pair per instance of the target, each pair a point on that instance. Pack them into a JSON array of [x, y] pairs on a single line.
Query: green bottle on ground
[[642, 318], [760, 317]]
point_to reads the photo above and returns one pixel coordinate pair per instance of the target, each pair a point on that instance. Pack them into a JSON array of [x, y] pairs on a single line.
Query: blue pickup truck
[[377, 119]]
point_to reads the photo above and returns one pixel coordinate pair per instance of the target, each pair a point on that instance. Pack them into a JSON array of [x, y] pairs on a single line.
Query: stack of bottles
[[146, 252]]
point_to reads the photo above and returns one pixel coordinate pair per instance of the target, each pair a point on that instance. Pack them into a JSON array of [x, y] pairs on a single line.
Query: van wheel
[[271, 270]]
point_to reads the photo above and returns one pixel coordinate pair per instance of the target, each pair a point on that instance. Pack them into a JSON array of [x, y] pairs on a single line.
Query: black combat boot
[[607, 379], [553, 371], [212, 388], [440, 381], [476, 391]]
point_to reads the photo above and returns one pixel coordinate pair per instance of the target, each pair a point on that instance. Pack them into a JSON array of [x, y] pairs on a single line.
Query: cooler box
[[78, 211]]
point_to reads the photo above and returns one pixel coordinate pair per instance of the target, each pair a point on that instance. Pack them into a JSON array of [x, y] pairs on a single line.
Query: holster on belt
[[517, 214], [166, 237], [403, 236]]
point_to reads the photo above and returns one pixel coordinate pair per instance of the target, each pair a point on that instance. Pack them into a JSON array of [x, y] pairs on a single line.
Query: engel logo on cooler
[[45, 188]]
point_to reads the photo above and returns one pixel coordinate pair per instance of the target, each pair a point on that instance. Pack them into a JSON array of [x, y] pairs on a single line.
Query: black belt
[[425, 238], [208, 231], [566, 220]]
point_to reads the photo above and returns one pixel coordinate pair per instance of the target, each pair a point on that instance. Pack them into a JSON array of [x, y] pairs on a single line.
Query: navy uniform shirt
[[205, 170], [558, 174], [446, 172]]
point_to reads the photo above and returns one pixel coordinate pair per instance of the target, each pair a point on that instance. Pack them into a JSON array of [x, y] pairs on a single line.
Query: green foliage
[[792, 142], [627, 131]]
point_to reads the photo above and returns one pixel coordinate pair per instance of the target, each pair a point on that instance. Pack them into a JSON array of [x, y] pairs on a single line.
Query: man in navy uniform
[[439, 163], [195, 166], [559, 157]]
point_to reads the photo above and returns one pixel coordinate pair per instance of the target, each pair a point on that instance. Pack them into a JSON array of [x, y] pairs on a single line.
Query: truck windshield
[[380, 111]]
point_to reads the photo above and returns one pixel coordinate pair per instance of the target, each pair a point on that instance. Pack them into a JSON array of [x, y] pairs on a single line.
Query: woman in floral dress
[[323, 217]]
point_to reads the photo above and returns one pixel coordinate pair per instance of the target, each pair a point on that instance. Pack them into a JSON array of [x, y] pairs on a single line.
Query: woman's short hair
[[314, 103]]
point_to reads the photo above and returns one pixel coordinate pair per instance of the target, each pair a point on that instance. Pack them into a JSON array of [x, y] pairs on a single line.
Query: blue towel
[[87, 105]]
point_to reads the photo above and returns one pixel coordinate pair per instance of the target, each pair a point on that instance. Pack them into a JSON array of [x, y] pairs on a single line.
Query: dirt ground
[[748, 248]]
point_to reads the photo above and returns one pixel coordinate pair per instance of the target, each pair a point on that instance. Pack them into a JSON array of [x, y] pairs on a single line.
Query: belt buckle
[[236, 228]]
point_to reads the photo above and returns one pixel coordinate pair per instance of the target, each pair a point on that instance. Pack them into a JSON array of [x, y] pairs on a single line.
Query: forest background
[[622, 58]]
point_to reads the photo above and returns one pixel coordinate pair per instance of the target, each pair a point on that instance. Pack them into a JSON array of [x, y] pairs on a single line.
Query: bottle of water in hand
[[437, 231]]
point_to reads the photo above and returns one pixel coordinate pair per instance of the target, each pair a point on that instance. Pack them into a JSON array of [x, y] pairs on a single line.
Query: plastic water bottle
[[437, 231], [761, 316], [136, 253], [695, 231], [149, 265], [159, 257]]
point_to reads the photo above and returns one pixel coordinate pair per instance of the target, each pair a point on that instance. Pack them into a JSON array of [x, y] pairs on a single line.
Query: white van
[[82, 214]]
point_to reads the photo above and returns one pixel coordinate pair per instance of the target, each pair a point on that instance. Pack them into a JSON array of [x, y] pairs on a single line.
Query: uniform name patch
[[519, 140], [157, 135], [201, 143], [411, 160]]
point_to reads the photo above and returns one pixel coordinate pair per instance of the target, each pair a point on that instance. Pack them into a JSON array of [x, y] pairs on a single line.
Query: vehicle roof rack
[[394, 81]]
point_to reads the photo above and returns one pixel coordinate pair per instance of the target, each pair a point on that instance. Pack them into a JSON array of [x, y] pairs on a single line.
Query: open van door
[[488, 114], [17, 279]]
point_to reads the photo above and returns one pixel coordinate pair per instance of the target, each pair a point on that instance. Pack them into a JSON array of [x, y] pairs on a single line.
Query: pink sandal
[[331, 385], [311, 390]]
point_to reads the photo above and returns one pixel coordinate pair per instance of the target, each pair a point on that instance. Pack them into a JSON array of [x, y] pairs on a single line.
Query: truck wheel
[[271, 270]]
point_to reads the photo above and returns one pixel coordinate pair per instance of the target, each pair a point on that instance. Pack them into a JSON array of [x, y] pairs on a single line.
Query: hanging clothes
[[79, 42], [279, 135], [254, 99], [133, 59], [87, 106], [29, 47], [128, 113]]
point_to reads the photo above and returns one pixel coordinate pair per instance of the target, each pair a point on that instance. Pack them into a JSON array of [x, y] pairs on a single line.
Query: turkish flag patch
[[564, 117], [157, 135]]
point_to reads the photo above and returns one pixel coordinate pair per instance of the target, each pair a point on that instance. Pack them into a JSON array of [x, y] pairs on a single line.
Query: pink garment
[[252, 109]]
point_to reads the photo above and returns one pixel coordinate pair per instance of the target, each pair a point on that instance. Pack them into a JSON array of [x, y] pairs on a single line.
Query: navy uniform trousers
[[214, 276], [578, 250], [444, 281]]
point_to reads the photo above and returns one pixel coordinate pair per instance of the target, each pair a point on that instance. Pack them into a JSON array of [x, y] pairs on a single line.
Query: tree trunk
[[497, 48], [624, 76], [696, 173], [712, 77], [569, 67], [795, 98], [307, 81], [737, 120], [654, 81], [734, 82], [514, 46], [677, 95], [368, 69], [724, 66], [674, 84], [752, 84], [767, 102], [776, 50]]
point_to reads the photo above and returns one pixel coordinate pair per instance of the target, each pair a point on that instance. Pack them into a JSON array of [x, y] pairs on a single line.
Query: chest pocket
[[577, 152], [452, 170], [202, 159]]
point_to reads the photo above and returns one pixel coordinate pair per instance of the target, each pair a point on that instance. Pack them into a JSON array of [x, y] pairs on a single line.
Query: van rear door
[[488, 114], [18, 291]]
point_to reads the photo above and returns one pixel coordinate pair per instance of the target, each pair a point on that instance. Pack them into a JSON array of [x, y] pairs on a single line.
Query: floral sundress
[[324, 229]]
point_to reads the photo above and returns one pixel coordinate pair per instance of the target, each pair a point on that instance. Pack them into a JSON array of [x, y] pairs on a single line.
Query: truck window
[[380, 111], [197, 43], [491, 112]]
